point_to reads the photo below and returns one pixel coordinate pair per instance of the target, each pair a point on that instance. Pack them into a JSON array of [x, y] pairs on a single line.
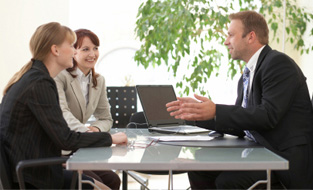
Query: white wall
[[112, 21], [114, 24], [18, 21]]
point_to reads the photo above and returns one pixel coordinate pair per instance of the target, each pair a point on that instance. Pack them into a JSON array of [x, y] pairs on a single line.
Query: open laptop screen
[[153, 99]]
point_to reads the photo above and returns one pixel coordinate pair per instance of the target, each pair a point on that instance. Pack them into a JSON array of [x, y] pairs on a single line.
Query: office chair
[[138, 120], [123, 101], [6, 175]]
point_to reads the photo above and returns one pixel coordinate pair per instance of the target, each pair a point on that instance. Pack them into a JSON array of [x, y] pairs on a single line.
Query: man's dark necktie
[[245, 79]]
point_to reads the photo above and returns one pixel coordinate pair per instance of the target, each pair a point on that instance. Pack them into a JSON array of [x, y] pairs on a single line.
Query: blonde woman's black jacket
[[32, 126]]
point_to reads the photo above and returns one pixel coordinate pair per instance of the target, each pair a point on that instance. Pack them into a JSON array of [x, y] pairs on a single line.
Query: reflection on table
[[167, 157], [141, 154]]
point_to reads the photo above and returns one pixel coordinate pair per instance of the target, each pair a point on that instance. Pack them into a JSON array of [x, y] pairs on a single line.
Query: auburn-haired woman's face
[[87, 55]]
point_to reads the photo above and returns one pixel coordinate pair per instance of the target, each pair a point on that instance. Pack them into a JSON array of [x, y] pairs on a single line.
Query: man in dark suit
[[272, 108]]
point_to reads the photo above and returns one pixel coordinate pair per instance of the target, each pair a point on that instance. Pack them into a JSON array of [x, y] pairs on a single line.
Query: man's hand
[[191, 109]]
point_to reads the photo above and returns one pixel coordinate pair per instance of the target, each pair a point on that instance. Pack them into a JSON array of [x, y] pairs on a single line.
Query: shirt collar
[[254, 59], [82, 76]]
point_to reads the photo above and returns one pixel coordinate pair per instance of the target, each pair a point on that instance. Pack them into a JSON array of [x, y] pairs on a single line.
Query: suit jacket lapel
[[79, 96], [92, 98], [265, 50], [239, 92], [263, 53]]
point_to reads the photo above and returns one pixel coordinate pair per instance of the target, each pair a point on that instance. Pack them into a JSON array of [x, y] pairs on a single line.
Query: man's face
[[237, 44]]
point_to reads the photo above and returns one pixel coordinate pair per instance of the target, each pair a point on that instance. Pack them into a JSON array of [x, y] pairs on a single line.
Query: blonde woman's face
[[87, 55], [66, 54]]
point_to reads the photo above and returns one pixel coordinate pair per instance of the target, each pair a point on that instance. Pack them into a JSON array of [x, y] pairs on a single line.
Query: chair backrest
[[123, 101], [5, 172], [138, 117], [138, 120]]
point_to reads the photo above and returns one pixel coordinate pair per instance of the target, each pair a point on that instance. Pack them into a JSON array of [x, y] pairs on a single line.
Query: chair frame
[[6, 176], [34, 163]]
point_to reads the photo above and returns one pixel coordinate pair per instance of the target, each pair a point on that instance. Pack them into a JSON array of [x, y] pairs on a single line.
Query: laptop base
[[185, 129]]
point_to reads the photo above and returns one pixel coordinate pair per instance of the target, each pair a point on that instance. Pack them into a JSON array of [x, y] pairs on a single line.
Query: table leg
[[267, 181], [170, 180], [124, 180], [268, 172], [79, 179]]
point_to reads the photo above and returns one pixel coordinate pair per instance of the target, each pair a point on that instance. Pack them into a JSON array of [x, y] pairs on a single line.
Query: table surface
[[168, 157]]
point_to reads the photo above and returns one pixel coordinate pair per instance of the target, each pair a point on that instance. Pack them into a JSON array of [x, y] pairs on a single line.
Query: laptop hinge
[[166, 124]]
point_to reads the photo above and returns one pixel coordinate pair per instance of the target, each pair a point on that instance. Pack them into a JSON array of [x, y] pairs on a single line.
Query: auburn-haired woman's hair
[[81, 34], [40, 44]]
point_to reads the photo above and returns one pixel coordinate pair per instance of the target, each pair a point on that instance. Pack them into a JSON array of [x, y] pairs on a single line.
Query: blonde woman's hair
[[40, 44]]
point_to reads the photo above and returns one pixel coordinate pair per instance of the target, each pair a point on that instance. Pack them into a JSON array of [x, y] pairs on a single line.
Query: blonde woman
[[32, 125]]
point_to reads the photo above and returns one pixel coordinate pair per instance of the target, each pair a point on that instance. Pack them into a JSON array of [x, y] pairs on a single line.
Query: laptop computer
[[153, 99]]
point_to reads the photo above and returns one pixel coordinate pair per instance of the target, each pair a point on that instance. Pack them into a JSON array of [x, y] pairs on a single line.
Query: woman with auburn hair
[[83, 93], [31, 121]]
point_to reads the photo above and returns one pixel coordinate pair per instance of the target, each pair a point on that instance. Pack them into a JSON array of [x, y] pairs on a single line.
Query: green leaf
[[287, 30], [300, 43], [194, 31], [274, 26]]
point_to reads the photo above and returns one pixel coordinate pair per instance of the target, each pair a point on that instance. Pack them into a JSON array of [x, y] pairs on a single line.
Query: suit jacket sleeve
[[103, 112], [44, 105], [277, 81], [73, 123]]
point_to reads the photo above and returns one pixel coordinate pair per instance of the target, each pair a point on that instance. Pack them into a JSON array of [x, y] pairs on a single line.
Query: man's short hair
[[253, 21]]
